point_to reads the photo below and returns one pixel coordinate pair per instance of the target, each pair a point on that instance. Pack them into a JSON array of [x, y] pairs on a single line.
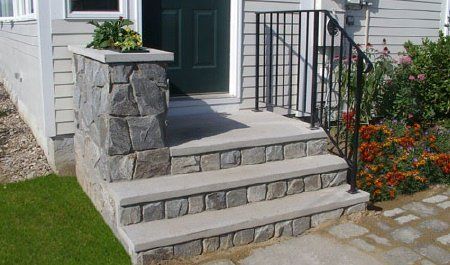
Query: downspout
[[367, 23]]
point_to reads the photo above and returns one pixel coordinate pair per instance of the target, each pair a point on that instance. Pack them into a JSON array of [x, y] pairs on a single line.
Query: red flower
[[349, 118]]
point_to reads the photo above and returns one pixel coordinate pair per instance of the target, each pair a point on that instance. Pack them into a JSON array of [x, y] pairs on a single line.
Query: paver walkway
[[414, 230]]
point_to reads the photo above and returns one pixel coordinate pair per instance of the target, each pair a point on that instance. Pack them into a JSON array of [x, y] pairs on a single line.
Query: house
[[228, 169], [36, 67]]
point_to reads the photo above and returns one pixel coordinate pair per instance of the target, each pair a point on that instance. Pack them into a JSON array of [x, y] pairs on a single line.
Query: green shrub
[[419, 87], [115, 34]]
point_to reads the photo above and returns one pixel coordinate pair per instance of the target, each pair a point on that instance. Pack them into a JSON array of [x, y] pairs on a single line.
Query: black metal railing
[[307, 66]]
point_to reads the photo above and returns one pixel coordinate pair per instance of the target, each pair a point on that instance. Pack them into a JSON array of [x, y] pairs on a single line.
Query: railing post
[[355, 143], [314, 70], [257, 64]]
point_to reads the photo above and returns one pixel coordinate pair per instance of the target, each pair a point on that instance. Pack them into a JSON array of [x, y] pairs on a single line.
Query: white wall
[[21, 72]]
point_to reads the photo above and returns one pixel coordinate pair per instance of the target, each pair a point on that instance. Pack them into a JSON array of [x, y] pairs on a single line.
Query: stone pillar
[[120, 110]]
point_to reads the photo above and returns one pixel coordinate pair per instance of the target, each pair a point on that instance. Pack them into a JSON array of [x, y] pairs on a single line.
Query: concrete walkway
[[413, 230]]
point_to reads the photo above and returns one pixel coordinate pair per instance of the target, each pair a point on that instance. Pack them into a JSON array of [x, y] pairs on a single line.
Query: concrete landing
[[213, 132]]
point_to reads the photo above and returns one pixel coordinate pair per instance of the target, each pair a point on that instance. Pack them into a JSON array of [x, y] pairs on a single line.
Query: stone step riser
[[286, 228], [247, 156], [222, 199]]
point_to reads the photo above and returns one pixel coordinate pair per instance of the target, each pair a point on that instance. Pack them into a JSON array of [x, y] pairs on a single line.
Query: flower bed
[[396, 158]]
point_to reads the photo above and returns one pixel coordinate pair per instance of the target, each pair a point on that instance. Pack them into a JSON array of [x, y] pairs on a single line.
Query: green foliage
[[50, 220], [419, 88], [115, 34]]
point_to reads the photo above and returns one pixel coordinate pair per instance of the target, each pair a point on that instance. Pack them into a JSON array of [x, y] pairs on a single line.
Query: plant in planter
[[116, 35]]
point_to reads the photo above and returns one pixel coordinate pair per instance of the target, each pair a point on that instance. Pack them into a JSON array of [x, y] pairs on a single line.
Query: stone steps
[[256, 222], [177, 195], [217, 141]]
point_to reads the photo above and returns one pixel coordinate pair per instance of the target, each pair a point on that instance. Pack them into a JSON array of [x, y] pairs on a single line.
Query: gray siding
[[66, 33], [249, 41], [397, 21], [20, 71]]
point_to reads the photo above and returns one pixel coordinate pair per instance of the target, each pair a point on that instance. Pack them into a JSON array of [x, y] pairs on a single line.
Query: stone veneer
[[286, 228], [120, 103], [217, 200], [247, 156]]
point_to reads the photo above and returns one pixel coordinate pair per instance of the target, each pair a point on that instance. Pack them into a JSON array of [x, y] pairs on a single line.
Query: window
[[6, 8], [16, 9], [96, 8]]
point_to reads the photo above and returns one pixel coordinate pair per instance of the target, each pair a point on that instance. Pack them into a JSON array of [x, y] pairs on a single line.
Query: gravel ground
[[20, 156]]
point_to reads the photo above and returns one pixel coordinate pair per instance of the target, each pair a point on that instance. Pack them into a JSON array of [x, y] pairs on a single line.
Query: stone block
[[444, 240], [436, 199], [327, 178], [402, 255], [122, 102], [256, 193], [300, 225], [185, 164], [356, 208], [276, 190], [189, 249], [294, 150], [153, 72], [236, 197], [393, 212], [150, 98], [312, 183], [210, 162], [243, 237], [379, 240], [320, 218], [147, 132], [264, 233], [420, 209], [230, 159], [215, 201], [196, 204], [176, 208], [130, 215], [121, 167], [295, 186], [152, 163], [283, 228], [406, 219], [341, 178], [153, 211], [317, 147], [119, 142], [120, 73], [255, 155], [155, 255], [435, 253], [435, 225], [362, 245], [274, 153], [226, 241], [211, 244]]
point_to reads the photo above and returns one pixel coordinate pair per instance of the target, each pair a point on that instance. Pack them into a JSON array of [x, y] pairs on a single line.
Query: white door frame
[[236, 14]]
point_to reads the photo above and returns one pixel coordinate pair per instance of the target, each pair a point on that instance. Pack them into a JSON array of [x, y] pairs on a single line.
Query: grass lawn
[[50, 220]]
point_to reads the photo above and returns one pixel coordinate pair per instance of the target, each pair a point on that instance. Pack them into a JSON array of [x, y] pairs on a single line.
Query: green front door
[[197, 31]]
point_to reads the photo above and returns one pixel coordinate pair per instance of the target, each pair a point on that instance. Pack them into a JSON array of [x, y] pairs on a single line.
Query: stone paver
[[379, 240], [436, 199], [310, 250], [406, 234], [445, 240], [435, 253], [420, 209], [435, 225], [393, 212], [362, 244], [401, 256], [406, 219], [444, 205], [348, 230]]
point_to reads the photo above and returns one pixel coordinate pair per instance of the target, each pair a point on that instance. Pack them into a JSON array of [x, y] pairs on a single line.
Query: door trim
[[235, 71]]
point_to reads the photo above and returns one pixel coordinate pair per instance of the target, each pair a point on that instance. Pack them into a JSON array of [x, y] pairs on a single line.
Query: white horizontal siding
[[64, 33], [20, 71]]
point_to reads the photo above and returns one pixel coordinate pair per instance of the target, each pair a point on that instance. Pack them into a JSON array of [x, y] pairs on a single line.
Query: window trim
[[123, 12], [21, 5]]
